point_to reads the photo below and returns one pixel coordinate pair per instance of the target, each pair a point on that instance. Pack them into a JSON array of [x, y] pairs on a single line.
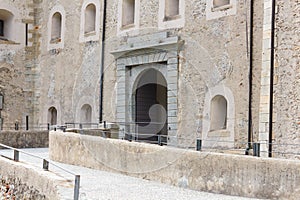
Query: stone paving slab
[[100, 185]]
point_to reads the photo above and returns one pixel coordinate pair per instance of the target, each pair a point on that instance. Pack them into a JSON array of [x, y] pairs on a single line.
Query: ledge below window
[[55, 41], [219, 133], [4, 40], [91, 33], [128, 26], [170, 18], [221, 8]]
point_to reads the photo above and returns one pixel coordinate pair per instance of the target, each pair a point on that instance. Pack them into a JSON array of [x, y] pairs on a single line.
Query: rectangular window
[[1, 101], [128, 12], [171, 9], [220, 8], [220, 3], [1, 27]]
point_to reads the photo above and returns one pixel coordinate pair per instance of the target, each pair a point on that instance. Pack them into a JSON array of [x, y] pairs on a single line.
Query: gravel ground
[[100, 185]]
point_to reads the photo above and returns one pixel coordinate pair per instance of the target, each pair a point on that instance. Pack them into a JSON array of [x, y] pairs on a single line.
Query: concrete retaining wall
[[25, 139], [28, 182], [211, 172]]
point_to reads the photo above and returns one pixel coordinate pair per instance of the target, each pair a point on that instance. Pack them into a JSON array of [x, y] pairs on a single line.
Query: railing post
[[45, 165], [27, 122], [129, 137], [16, 155], [17, 125], [159, 140], [80, 128], [76, 187], [199, 145], [256, 149]]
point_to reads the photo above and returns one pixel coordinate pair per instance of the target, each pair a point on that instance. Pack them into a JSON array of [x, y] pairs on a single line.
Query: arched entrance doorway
[[151, 106], [86, 115], [52, 116]]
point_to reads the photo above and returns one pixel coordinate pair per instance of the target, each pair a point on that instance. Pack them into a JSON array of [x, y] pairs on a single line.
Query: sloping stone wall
[[27, 182], [211, 172], [25, 139]]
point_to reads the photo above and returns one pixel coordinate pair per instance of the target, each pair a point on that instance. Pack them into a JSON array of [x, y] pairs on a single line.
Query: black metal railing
[[46, 163]]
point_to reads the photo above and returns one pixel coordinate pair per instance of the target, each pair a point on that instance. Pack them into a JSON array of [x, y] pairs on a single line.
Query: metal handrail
[[46, 166]]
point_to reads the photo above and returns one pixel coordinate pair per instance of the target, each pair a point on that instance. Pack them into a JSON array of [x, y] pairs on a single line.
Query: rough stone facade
[[286, 92], [12, 69], [54, 76]]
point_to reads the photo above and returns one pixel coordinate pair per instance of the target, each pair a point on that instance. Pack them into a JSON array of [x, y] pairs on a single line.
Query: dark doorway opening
[[1, 28], [52, 116], [151, 107]]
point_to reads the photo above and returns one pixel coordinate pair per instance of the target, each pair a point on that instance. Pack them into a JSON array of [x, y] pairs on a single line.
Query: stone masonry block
[[146, 59], [264, 117], [172, 93], [172, 79], [156, 57], [172, 106], [128, 61], [172, 61], [162, 57], [151, 58], [172, 67], [172, 100], [172, 73], [135, 60]]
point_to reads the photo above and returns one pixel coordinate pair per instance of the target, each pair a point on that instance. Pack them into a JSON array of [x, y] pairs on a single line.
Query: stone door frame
[[137, 64]]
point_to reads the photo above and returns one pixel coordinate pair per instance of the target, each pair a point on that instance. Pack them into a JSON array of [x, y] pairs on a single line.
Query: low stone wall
[[212, 172], [25, 139], [26, 182]]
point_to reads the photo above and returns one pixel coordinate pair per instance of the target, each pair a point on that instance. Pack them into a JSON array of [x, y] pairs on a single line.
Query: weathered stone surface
[[28, 182], [286, 92], [212, 172], [214, 52], [25, 139]]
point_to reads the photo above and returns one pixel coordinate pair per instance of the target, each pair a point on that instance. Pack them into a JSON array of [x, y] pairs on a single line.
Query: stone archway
[[86, 114], [157, 51], [150, 102], [52, 116]]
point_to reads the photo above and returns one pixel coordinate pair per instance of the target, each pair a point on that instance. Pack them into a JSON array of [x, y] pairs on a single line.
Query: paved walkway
[[100, 185]]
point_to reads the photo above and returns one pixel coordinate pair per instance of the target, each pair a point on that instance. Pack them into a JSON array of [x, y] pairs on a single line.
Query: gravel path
[[100, 185]]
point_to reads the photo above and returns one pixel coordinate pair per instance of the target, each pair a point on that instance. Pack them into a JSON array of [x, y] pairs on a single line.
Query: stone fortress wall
[[25, 139], [208, 65], [286, 92], [12, 59], [200, 49]]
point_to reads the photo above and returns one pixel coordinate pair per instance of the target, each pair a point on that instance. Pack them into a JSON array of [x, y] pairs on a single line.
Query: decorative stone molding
[[156, 51], [91, 36], [264, 111], [59, 44], [224, 137]]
